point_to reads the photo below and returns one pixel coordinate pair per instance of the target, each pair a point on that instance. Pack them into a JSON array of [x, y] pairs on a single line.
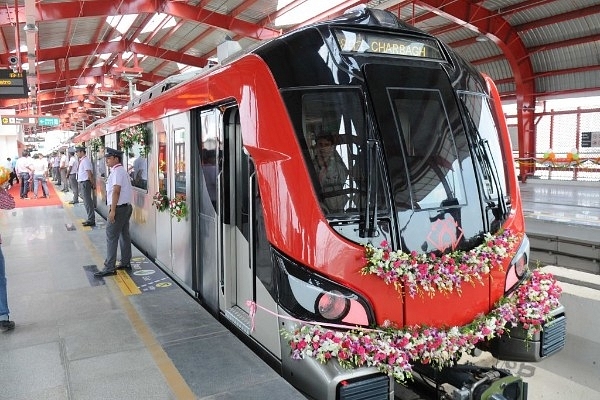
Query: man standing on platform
[[119, 196], [24, 170], [7, 202], [62, 168], [85, 178], [72, 174]]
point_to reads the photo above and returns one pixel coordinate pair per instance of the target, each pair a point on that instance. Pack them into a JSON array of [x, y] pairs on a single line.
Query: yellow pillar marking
[[126, 284], [173, 378]]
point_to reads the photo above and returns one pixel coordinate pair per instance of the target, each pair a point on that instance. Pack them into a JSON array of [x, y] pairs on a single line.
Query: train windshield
[[434, 175], [484, 132], [333, 134]]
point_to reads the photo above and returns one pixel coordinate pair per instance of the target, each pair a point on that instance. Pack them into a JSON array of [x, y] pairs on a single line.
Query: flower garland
[[95, 144], [160, 201], [430, 274], [392, 351], [178, 207], [137, 134]]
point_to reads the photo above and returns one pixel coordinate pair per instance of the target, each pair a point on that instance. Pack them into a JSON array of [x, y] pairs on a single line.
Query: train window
[[331, 128], [162, 162], [209, 154], [484, 135], [135, 144], [179, 162], [432, 160]]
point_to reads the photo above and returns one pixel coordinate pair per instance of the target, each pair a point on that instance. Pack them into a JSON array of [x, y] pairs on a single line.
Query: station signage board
[[41, 120], [13, 85], [590, 139]]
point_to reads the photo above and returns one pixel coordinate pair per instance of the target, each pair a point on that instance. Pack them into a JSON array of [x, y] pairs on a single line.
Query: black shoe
[[105, 272], [73, 202], [125, 267], [6, 326], [89, 223]]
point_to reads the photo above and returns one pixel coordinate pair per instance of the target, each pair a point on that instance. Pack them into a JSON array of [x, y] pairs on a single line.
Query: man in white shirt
[[119, 196], [72, 174], [24, 170], [40, 173], [86, 181], [56, 168], [62, 166]]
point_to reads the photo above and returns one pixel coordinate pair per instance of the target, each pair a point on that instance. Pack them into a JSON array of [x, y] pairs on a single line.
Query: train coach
[[343, 197]]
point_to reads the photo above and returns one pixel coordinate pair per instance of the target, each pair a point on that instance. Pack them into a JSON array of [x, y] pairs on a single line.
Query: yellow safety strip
[[126, 284]]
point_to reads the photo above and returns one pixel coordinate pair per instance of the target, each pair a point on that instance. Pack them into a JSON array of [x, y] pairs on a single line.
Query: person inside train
[[140, 171], [209, 169], [332, 173]]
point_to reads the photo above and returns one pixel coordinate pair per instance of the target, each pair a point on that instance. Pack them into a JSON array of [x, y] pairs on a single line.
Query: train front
[[423, 255]]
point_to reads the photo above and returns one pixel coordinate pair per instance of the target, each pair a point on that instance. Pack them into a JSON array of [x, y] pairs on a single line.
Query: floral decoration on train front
[[429, 273], [393, 350]]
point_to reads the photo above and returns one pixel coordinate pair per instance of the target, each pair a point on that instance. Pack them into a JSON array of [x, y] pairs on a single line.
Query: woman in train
[[332, 173]]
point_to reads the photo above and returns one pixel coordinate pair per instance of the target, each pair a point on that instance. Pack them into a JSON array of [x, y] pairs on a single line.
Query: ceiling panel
[[559, 39]]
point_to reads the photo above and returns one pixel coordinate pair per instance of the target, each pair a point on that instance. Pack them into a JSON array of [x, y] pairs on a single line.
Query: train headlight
[[333, 305], [311, 297], [518, 267]]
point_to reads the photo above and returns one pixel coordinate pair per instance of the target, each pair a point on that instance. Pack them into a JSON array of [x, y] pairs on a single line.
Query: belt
[[122, 205]]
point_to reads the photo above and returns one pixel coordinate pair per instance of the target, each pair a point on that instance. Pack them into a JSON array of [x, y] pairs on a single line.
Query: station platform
[[137, 335], [562, 221]]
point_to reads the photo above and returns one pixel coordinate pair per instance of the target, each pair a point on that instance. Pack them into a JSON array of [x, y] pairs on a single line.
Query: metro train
[[351, 210]]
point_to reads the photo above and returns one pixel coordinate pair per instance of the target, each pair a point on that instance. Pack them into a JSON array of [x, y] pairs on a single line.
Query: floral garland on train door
[[177, 206], [393, 351]]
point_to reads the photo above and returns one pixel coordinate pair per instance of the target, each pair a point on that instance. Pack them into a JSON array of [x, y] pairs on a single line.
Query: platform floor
[[564, 209], [78, 337], [563, 203]]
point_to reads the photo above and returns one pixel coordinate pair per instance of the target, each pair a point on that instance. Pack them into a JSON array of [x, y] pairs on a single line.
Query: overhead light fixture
[[481, 38]]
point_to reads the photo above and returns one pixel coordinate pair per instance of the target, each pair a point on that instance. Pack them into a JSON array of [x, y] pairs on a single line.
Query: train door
[[240, 236], [208, 124], [174, 246], [236, 274]]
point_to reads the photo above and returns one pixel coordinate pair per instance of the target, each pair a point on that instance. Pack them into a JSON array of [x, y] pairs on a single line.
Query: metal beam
[[499, 30]]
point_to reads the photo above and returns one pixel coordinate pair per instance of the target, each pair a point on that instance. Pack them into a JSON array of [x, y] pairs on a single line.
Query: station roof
[[81, 54]]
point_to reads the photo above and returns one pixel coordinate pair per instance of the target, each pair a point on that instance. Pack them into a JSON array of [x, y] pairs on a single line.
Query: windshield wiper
[[368, 226]]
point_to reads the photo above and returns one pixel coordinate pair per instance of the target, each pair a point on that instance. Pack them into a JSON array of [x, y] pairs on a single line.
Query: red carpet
[[53, 200]]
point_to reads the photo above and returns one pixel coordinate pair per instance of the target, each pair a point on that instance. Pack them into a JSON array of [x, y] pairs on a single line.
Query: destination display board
[[380, 43], [13, 85]]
